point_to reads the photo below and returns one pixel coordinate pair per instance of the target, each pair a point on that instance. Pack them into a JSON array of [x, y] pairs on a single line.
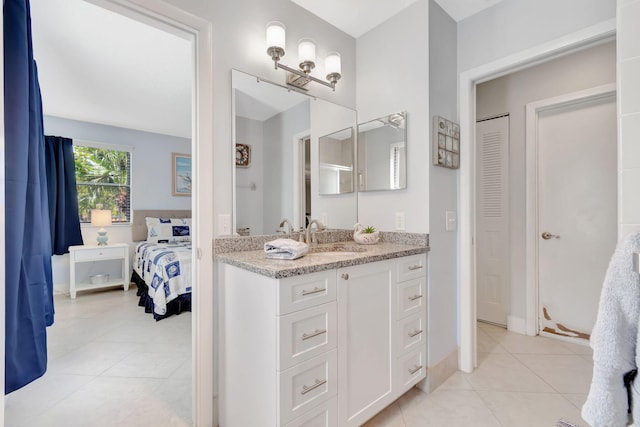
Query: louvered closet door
[[492, 220]]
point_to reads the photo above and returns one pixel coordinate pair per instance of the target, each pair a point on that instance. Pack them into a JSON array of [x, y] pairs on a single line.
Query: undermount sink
[[337, 248]]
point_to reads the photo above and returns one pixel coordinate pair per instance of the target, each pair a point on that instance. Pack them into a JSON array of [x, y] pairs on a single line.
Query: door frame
[[533, 111], [204, 324], [467, 359], [299, 192]]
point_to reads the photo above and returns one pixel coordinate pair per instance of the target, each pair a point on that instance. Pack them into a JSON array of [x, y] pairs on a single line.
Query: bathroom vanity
[[329, 339]]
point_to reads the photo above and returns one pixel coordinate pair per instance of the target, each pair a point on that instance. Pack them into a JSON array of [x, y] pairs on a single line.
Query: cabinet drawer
[[307, 385], [305, 334], [412, 267], [96, 254], [412, 369], [300, 292], [411, 333], [411, 297], [326, 415]]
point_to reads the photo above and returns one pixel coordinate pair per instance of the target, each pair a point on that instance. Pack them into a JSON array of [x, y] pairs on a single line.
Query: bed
[[162, 261]]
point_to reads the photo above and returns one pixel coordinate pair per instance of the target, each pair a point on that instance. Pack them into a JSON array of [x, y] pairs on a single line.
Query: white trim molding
[[204, 324]]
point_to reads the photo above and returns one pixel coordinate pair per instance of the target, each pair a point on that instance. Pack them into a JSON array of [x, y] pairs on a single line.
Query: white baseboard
[[517, 325], [61, 288]]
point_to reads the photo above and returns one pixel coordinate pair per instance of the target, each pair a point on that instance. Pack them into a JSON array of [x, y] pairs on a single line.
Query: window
[[103, 180]]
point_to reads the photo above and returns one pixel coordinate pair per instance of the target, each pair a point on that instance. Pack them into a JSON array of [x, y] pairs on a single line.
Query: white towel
[[614, 340], [285, 249]]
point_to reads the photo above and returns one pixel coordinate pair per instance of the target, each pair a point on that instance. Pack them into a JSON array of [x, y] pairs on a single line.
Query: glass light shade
[[306, 50], [276, 34], [332, 63]]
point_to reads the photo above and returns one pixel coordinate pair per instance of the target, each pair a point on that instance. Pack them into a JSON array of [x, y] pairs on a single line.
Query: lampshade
[[332, 63], [276, 35], [306, 50], [100, 217]]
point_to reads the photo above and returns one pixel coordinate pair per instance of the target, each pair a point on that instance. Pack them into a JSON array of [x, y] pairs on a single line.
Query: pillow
[[166, 230]]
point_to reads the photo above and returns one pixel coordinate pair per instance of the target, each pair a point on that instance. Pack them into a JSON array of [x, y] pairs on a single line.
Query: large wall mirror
[[382, 156], [276, 136]]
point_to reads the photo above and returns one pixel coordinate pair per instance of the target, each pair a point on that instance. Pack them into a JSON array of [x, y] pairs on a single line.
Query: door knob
[[546, 236]]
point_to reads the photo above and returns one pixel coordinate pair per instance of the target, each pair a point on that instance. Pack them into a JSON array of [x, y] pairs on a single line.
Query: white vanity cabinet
[[280, 350], [329, 348]]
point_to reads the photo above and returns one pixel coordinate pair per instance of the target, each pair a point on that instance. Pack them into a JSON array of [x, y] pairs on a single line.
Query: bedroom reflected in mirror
[[382, 154], [336, 162]]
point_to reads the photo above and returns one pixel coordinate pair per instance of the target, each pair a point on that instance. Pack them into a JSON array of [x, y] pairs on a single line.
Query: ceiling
[[139, 77], [348, 15], [98, 66]]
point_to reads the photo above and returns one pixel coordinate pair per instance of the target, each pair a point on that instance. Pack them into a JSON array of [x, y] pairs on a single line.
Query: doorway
[[198, 31], [506, 200], [468, 81], [302, 184]]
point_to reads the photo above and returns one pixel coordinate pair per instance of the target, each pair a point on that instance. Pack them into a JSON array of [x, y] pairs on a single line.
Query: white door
[[492, 246], [577, 211]]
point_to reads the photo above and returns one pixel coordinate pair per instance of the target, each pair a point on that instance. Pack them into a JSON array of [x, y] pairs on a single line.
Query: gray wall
[[515, 25], [443, 190], [279, 132], [262, 208], [393, 76], [509, 94], [249, 199], [629, 116]]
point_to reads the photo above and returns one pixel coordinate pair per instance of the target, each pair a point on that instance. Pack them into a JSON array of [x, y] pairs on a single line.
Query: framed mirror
[[278, 178], [336, 162], [382, 154]]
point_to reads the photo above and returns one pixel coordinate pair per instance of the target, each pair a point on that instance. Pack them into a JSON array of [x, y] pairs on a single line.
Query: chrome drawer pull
[[317, 332], [415, 297], [414, 333], [415, 369], [314, 291], [306, 389], [345, 276], [415, 267]]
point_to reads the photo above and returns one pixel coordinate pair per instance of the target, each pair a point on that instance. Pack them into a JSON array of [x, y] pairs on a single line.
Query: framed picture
[[446, 143], [243, 155], [181, 168]]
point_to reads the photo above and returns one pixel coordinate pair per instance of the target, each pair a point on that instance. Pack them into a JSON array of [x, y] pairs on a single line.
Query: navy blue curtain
[[28, 282], [63, 194]]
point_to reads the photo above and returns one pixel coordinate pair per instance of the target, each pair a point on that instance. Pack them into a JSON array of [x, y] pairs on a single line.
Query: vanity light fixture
[[276, 36]]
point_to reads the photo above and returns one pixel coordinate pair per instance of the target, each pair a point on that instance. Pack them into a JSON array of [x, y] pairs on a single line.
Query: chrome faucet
[[285, 221], [308, 235]]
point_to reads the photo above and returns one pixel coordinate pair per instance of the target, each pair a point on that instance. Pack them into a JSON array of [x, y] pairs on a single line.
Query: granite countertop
[[320, 257]]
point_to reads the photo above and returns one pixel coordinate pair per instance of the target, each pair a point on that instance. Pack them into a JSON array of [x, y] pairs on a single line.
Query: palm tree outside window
[[103, 179]]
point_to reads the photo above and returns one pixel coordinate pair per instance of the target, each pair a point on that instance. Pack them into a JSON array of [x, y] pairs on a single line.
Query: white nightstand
[[97, 254]]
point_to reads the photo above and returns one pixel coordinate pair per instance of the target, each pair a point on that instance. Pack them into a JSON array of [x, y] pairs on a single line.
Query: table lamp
[[101, 218]]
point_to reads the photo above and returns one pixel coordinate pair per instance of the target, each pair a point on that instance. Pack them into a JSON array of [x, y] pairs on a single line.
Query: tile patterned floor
[[520, 381], [110, 364]]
